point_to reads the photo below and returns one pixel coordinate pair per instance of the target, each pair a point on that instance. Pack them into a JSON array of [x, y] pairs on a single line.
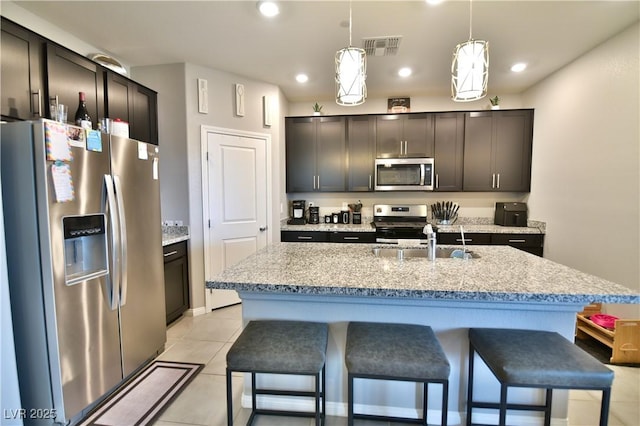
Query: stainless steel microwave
[[404, 174]]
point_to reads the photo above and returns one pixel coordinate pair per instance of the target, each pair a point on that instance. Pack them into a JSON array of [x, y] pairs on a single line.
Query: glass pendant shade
[[470, 71], [351, 73]]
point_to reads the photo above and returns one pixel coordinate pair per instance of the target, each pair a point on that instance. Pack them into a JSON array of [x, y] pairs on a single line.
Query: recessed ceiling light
[[302, 78], [268, 8], [434, 2], [519, 67], [404, 72]]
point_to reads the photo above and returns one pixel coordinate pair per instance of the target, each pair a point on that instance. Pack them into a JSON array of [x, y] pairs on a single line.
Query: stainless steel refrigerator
[[84, 256]]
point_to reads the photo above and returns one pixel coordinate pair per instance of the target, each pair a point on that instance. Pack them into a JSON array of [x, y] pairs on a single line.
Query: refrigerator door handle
[[114, 276], [123, 241]]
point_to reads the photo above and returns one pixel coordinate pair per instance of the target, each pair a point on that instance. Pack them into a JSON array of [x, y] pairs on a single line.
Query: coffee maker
[[314, 214], [297, 213]]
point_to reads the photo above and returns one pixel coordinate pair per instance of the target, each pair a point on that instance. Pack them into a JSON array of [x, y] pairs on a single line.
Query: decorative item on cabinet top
[[108, 62]]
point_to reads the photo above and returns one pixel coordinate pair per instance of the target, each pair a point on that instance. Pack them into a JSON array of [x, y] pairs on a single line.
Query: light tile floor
[[207, 338]]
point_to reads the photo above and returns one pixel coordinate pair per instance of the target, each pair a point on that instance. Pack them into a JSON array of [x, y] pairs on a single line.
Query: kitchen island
[[338, 283]]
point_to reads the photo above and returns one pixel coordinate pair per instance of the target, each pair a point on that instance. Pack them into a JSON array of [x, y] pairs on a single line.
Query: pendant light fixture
[[351, 73], [470, 67]]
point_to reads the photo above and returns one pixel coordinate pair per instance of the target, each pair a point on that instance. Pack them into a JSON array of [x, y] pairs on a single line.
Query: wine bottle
[[83, 119]]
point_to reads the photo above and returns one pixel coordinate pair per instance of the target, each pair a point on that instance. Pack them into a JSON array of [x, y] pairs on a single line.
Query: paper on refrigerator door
[[62, 182], [142, 151], [56, 142]]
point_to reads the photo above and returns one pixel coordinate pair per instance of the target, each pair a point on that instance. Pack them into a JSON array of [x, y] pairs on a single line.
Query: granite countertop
[[174, 234], [479, 225], [501, 273]]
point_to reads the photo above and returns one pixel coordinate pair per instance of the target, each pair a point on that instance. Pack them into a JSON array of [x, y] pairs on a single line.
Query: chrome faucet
[[431, 241]]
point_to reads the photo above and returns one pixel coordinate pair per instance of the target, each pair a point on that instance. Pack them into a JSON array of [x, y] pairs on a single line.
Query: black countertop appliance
[[511, 214], [297, 213]]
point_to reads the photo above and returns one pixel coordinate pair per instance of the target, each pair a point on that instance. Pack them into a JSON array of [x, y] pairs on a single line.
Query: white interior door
[[236, 210]]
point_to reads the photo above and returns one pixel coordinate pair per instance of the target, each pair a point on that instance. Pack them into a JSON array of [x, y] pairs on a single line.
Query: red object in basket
[[604, 320]]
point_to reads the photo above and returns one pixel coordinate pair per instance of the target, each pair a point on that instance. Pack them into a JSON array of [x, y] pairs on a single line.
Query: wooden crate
[[624, 339]]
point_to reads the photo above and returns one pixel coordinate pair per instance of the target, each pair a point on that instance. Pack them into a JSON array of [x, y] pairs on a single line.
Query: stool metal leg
[[324, 393], [350, 400], [503, 405], [229, 400], [317, 399], [547, 407], [425, 398], [470, 384], [254, 403], [604, 407], [445, 402]]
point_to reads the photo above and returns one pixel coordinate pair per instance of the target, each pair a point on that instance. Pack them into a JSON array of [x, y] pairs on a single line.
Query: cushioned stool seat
[[535, 359], [403, 352], [280, 347]]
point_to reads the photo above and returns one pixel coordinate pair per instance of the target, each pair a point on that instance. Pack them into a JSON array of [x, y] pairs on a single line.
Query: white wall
[[168, 81], [586, 162], [180, 144]]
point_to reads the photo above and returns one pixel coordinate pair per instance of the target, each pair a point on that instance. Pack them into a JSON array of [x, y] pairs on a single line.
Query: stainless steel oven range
[[395, 222]]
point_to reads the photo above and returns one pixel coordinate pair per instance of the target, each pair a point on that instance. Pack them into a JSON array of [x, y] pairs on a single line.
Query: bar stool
[[535, 359], [403, 352], [280, 347]]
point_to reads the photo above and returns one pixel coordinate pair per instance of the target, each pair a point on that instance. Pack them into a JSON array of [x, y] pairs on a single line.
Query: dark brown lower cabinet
[[327, 237], [531, 243], [176, 280]]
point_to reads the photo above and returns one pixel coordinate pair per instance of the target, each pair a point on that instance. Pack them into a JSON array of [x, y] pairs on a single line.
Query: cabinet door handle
[[370, 187], [302, 237], [493, 181], [351, 238], [171, 253], [318, 182], [517, 241], [498, 181], [314, 182], [437, 181], [39, 95], [466, 240]]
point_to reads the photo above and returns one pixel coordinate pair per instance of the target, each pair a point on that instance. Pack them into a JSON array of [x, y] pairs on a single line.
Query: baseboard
[[195, 312]]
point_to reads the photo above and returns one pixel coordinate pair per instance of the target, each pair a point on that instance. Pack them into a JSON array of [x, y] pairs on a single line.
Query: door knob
[[263, 228]]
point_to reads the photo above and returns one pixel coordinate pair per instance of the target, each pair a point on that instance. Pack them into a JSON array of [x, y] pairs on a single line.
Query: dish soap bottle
[[83, 119]]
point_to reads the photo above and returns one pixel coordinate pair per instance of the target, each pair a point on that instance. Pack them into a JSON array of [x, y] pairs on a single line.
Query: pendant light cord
[[470, 18], [350, 23]]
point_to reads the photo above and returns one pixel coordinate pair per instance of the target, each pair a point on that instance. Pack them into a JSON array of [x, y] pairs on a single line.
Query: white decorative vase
[[316, 112], [495, 106]]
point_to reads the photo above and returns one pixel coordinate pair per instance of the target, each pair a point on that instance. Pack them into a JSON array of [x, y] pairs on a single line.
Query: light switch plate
[[240, 100], [203, 96]]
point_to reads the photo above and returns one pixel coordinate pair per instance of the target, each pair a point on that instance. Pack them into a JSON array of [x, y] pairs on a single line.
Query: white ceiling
[[232, 36]]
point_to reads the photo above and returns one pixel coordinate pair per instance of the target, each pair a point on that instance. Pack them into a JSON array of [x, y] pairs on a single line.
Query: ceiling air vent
[[381, 46]]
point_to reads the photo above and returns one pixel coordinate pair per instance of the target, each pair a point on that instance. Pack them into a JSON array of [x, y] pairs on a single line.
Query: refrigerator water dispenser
[[85, 248]]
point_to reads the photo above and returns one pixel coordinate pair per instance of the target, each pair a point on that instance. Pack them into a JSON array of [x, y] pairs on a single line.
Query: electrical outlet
[[179, 223]]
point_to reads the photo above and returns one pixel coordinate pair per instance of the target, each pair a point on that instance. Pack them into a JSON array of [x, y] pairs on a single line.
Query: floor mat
[[146, 396]]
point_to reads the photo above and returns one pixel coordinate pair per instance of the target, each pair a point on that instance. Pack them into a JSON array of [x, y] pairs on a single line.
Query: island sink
[[411, 252]]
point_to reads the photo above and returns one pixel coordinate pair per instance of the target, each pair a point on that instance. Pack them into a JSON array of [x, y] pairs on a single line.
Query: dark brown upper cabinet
[[316, 154], [404, 135], [22, 93], [131, 102], [497, 150], [361, 152], [449, 151]]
